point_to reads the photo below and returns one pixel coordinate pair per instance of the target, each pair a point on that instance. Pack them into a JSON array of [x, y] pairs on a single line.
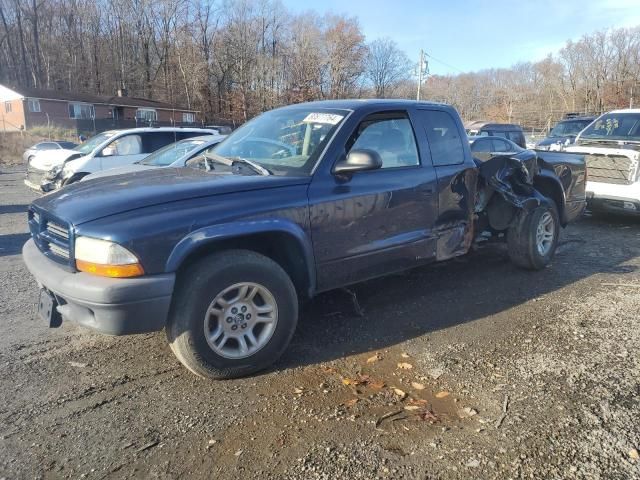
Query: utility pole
[[423, 69]]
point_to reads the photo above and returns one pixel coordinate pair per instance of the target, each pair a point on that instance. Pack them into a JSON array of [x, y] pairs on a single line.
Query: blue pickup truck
[[300, 200]]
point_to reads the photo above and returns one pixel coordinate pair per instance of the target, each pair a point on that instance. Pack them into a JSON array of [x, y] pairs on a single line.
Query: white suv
[[50, 170]]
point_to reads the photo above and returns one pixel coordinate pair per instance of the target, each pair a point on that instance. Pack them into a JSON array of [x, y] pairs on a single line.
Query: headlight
[[105, 258], [53, 173]]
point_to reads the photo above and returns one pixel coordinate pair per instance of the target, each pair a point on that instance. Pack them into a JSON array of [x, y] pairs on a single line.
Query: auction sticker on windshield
[[329, 118]]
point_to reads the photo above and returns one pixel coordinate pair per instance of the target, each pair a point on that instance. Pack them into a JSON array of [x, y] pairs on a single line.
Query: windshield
[[169, 154], [93, 142], [615, 126], [569, 128], [286, 141]]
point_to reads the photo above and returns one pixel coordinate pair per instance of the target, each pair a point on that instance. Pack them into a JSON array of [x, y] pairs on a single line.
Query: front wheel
[[532, 239], [233, 314]]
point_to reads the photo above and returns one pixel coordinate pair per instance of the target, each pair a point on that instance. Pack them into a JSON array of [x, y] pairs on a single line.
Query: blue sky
[[473, 35]]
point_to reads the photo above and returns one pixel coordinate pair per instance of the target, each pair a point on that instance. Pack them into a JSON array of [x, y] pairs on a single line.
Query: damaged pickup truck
[[611, 146], [300, 200]]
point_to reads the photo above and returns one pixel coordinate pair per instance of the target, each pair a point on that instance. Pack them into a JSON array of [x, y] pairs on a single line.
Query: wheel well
[[552, 190], [281, 247]]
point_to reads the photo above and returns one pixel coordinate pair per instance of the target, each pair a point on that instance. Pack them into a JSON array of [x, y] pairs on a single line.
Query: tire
[[522, 237], [202, 284]]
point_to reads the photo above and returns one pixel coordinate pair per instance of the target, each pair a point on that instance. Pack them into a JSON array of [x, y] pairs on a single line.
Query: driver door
[[378, 221]]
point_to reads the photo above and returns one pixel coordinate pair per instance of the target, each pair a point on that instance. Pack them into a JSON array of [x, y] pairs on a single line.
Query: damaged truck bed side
[[300, 200]]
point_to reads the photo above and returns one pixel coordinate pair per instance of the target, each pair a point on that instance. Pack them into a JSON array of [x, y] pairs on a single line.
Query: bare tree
[[386, 66]]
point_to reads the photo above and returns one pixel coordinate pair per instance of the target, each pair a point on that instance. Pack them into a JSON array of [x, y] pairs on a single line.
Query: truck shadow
[[401, 307], [12, 243], [13, 209]]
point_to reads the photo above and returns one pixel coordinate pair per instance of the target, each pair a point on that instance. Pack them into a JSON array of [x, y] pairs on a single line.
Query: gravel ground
[[467, 369]]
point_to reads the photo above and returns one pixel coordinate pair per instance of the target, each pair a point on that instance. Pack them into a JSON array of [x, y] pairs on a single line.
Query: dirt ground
[[467, 369]]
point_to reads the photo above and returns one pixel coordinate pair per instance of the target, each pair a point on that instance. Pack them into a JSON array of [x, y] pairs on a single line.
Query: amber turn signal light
[[114, 271]]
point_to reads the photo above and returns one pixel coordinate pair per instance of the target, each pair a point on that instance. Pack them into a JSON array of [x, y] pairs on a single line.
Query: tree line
[[232, 59]]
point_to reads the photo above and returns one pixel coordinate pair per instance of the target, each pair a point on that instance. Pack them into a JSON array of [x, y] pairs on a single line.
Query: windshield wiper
[[230, 161]]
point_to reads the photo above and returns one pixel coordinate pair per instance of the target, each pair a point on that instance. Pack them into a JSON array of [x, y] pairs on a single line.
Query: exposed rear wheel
[[533, 237], [233, 314]]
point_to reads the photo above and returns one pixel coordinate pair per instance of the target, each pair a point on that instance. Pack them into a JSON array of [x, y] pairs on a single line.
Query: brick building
[[24, 108]]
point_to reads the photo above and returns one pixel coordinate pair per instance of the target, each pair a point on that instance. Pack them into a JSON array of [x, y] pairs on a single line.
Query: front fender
[[228, 231]]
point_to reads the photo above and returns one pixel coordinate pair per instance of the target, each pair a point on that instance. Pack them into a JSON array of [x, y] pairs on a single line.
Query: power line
[[443, 63]]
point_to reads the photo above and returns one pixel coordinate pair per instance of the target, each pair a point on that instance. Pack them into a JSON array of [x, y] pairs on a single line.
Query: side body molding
[[228, 231]]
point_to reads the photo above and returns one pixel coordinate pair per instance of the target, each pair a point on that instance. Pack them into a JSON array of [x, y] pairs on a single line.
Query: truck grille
[[52, 236], [617, 169]]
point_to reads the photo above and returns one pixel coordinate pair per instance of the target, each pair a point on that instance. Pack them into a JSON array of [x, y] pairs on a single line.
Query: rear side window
[[444, 137], [516, 137], [152, 141]]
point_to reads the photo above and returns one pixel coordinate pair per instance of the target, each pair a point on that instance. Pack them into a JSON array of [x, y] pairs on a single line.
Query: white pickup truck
[[611, 146]]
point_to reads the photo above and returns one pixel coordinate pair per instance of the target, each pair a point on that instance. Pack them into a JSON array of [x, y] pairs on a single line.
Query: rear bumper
[[609, 196], [115, 306]]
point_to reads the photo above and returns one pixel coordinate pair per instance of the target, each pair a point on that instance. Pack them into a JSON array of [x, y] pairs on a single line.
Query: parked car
[[611, 146], [564, 133], [485, 148], [31, 152], [506, 130], [300, 200], [51, 170], [174, 155]]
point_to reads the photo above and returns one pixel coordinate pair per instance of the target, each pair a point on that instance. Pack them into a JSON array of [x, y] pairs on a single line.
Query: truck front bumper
[[610, 196], [115, 306]]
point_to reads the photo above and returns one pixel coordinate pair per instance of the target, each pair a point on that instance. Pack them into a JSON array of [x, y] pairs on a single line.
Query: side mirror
[[358, 161], [108, 151]]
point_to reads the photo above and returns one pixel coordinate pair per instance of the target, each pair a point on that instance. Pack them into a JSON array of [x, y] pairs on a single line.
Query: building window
[[81, 111], [146, 115], [188, 118], [7, 107], [34, 105]]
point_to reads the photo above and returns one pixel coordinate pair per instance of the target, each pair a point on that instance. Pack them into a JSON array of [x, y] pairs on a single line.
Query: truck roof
[[354, 104], [625, 110]]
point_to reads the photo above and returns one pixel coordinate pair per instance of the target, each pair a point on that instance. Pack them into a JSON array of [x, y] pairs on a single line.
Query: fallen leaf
[[442, 394], [298, 391], [401, 393], [348, 381], [373, 359], [376, 385], [351, 402], [405, 355], [238, 453], [412, 407], [633, 453], [78, 364], [362, 380], [417, 401], [417, 386], [467, 412], [328, 369], [405, 366]]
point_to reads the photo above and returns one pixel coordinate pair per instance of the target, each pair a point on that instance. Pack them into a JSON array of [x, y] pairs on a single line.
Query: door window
[[481, 146], [127, 145], [444, 138], [391, 136], [501, 146]]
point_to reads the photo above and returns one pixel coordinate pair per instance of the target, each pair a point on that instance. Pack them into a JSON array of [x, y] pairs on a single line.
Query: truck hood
[[89, 200], [126, 169], [50, 158]]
